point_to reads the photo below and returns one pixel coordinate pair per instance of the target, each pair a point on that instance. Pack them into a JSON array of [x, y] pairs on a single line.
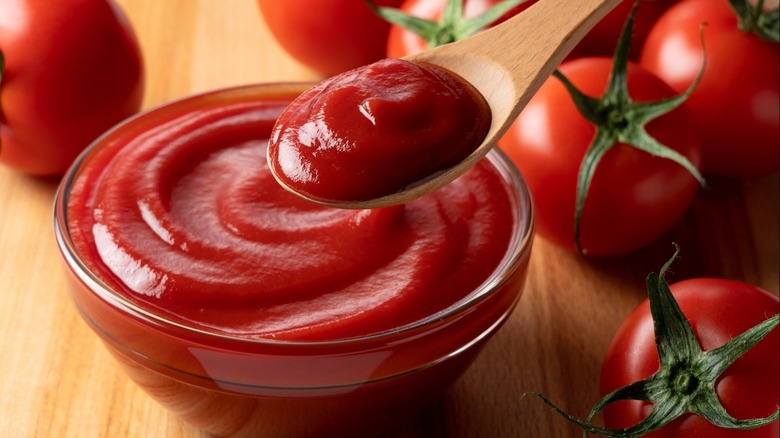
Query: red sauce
[[377, 130], [241, 308], [186, 219]]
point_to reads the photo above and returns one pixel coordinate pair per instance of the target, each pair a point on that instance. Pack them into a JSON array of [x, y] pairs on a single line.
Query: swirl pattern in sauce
[[186, 219]]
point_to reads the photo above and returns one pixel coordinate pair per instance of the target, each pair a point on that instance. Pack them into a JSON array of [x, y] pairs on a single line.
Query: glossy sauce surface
[[186, 219], [376, 130]]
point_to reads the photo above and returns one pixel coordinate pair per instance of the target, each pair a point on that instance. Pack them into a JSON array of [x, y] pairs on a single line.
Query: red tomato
[[736, 106], [634, 197], [329, 36], [73, 69], [717, 310], [402, 41], [602, 39]]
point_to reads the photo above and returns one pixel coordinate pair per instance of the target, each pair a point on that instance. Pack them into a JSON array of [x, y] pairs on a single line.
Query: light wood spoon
[[507, 64]]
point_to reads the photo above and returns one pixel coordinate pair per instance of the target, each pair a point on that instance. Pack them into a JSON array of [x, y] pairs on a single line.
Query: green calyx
[[618, 119], [754, 19], [685, 382], [452, 26]]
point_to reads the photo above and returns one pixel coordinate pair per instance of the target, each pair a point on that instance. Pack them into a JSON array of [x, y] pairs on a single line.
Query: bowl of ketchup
[[248, 311]]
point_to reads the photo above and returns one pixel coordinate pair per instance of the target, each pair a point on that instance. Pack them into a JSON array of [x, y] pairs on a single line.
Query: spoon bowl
[[507, 64]]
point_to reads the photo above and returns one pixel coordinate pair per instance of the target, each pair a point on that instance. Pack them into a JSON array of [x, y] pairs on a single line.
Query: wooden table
[[56, 379]]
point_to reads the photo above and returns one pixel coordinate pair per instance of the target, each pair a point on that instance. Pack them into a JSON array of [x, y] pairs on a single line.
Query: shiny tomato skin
[[73, 69], [402, 41], [602, 39], [736, 106], [328, 36], [634, 198], [718, 310]]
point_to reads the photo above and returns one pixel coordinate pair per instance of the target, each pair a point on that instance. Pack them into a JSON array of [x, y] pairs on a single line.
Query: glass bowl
[[230, 385]]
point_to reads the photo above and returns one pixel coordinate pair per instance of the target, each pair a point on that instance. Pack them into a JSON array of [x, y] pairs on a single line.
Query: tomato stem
[[618, 119], [685, 381], [452, 26], [754, 19]]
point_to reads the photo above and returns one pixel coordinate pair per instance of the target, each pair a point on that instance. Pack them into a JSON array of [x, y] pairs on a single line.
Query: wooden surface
[[56, 380]]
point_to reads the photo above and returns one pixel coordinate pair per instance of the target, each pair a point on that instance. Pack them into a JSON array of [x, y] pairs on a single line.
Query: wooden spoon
[[507, 64]]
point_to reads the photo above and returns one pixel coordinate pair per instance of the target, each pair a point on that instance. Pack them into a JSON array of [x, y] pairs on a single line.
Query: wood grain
[[58, 381]]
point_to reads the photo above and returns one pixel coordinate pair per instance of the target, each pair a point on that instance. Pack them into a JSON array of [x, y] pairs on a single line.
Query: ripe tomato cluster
[[72, 68], [700, 101], [728, 126]]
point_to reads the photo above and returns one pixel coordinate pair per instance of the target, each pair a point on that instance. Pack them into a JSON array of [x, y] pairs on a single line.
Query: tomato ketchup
[[376, 130], [251, 312]]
